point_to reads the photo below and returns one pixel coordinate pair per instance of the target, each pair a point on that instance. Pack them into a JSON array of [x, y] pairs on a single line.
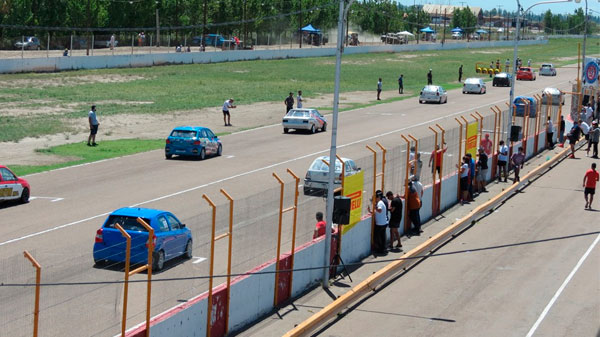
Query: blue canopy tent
[[427, 30], [481, 31], [456, 30], [311, 35], [310, 29]]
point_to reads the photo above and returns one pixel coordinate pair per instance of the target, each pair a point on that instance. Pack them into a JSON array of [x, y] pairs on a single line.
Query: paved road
[[60, 232], [532, 268]]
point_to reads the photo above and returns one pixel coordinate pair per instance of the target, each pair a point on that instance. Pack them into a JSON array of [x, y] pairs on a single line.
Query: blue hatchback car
[[171, 238], [192, 141]]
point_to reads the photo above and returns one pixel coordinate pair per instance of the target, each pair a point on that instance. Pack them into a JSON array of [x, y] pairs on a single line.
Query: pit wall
[[55, 64]]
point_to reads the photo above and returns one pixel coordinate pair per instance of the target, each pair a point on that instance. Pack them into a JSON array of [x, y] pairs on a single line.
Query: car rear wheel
[[25, 196], [188, 250], [220, 150], [307, 190], [168, 156], [202, 154], [286, 130], [312, 129], [158, 261], [99, 262]]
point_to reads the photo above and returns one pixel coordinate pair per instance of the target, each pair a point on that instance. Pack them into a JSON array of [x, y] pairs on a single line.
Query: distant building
[[441, 13]]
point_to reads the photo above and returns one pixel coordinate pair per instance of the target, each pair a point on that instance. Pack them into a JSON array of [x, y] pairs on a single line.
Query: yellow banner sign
[[471, 146], [353, 188]]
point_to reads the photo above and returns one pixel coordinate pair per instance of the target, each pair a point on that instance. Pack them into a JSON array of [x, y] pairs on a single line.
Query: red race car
[[13, 187], [526, 73]]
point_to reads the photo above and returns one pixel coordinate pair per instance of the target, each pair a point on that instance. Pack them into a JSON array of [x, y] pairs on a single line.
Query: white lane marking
[[198, 259], [229, 156], [258, 169], [562, 287], [52, 199]]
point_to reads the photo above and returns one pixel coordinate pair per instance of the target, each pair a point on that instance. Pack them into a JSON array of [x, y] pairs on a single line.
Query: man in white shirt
[[226, 106], [550, 133], [502, 161], [381, 220], [93, 120], [299, 99]]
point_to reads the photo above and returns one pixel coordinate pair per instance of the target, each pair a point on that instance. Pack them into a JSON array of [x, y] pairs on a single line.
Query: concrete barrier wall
[[51, 64]]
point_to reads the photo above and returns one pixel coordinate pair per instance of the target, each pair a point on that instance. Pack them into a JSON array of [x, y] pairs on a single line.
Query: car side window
[[175, 225], [7, 175], [163, 225], [210, 134]]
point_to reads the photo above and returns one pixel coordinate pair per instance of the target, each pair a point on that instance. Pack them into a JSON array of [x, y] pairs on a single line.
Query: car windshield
[[472, 81], [129, 223], [430, 89], [319, 165], [524, 69], [183, 134], [546, 66]]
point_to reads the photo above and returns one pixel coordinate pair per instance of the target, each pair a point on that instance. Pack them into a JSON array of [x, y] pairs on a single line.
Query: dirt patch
[[64, 81], [566, 58], [157, 125]]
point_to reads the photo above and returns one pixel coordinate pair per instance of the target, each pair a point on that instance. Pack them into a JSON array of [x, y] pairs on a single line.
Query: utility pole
[[89, 18], [490, 28], [204, 27], [300, 34], [444, 36], [157, 3]]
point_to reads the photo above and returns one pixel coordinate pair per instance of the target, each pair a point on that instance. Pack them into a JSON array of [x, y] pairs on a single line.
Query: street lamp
[[514, 69], [579, 83]]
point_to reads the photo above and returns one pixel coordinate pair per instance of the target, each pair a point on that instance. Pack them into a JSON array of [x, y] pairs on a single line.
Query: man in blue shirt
[[471, 175], [401, 84]]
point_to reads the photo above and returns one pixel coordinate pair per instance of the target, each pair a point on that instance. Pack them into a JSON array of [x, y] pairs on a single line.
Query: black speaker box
[[341, 210], [515, 132]]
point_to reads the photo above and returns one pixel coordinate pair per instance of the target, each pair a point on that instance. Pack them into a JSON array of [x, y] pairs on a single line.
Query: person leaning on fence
[[594, 139], [550, 133], [482, 168], [517, 160], [320, 226], [472, 181], [395, 218], [561, 130], [463, 171], [437, 155], [502, 161], [380, 214], [486, 144], [414, 206]]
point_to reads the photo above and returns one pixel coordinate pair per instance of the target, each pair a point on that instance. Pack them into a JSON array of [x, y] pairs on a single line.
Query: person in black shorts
[[228, 104], [395, 218]]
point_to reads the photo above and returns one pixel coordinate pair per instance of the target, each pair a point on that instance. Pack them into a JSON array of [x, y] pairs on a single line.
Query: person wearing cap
[[594, 135], [226, 106], [429, 78]]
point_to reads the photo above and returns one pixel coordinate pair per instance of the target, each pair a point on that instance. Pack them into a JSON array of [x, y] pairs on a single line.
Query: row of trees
[[228, 16]]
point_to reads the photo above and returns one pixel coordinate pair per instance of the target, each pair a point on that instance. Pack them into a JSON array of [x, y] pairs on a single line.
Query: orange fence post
[[147, 267], [537, 121], [279, 237], [229, 254], [126, 284], [341, 188], [383, 149], [459, 154], [38, 278], [406, 223], [295, 208], [434, 208], [496, 134], [373, 201], [212, 265]]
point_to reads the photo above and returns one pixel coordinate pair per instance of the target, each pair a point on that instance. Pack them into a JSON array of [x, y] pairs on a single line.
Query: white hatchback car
[[317, 176], [304, 119], [547, 69], [474, 86], [433, 93]]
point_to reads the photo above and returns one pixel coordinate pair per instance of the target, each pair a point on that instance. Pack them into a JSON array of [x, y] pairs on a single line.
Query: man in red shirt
[[320, 226], [486, 144], [589, 183], [437, 158]]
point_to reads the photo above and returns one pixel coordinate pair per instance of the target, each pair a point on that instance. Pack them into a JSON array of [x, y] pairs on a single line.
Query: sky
[[511, 5]]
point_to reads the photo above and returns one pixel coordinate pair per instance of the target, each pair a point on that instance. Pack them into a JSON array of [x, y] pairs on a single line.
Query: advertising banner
[[353, 188], [590, 73], [471, 146]]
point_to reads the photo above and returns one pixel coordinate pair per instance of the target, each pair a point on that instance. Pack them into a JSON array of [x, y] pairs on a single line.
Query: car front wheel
[[158, 261], [286, 130], [168, 156], [220, 150], [188, 250], [312, 129], [25, 196]]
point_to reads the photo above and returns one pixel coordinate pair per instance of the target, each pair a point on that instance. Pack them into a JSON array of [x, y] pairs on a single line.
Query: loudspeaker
[[341, 210], [515, 132]]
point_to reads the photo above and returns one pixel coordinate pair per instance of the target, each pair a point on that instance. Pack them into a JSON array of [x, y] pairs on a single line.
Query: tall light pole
[[581, 75], [516, 43], [157, 25]]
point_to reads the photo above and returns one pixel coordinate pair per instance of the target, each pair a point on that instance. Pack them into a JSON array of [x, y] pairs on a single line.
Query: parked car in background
[[474, 85], [192, 141], [13, 187], [526, 73], [317, 176], [104, 43], [501, 80], [456, 35], [29, 42], [171, 238], [552, 96], [520, 103], [304, 119], [547, 69], [433, 93], [215, 40]]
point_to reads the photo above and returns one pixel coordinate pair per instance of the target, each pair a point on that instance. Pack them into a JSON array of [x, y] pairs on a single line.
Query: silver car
[[433, 93], [304, 119], [474, 86], [547, 69], [317, 176], [554, 96]]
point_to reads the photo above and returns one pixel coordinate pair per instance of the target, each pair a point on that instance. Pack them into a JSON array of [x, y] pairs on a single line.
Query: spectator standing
[[299, 99], [550, 133], [517, 160], [417, 166], [395, 218], [417, 185], [429, 78], [401, 84], [502, 161], [573, 137], [379, 86], [491, 71], [507, 65], [482, 168], [561, 130], [380, 214], [589, 183], [529, 63], [460, 73], [289, 102], [498, 64], [112, 41], [93, 121], [486, 144], [594, 139], [66, 52], [472, 181], [463, 171], [589, 113], [437, 156], [320, 226], [585, 129], [414, 205], [228, 104]]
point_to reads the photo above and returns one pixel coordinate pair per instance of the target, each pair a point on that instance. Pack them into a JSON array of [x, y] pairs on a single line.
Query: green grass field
[[167, 89]]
